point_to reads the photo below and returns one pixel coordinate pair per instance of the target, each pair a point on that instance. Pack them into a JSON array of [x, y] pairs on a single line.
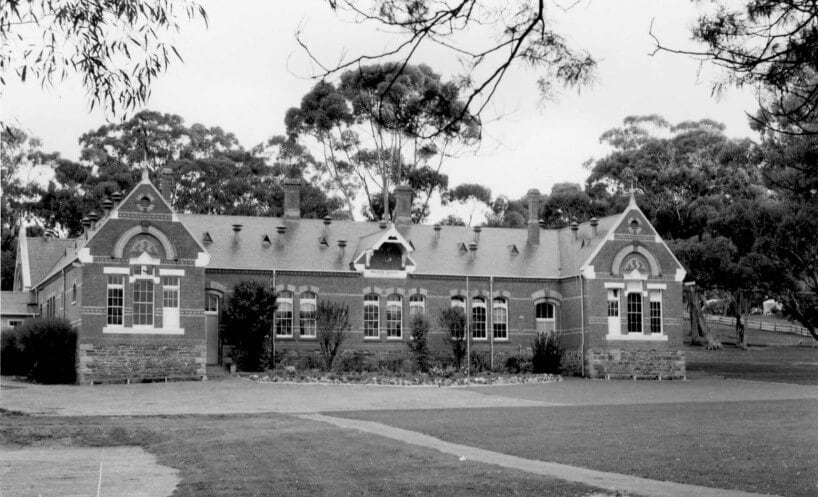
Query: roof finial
[[145, 175]]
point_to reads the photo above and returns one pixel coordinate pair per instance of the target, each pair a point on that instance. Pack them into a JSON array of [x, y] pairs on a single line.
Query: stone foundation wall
[[572, 362], [105, 361], [623, 363]]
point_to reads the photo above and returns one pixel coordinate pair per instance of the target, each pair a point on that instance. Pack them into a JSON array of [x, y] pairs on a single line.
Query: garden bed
[[454, 380]]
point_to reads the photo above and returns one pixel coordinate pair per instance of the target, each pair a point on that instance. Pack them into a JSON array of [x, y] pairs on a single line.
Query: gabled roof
[[300, 248], [44, 254]]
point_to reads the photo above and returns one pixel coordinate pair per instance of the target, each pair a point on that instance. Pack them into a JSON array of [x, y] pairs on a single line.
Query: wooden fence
[[757, 324]]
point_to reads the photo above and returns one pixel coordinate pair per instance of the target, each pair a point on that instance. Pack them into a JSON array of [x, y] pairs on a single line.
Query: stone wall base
[[610, 363], [133, 362]]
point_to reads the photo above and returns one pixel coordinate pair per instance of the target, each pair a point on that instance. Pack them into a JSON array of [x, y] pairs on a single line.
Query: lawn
[[256, 455], [763, 446]]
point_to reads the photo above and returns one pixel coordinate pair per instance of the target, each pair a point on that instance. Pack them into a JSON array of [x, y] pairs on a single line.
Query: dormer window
[[387, 256]]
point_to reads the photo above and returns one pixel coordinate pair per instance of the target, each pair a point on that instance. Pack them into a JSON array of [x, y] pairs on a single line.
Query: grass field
[[771, 357], [261, 455], [765, 447]]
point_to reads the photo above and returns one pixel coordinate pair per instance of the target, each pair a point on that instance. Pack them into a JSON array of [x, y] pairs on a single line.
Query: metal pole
[[581, 326], [274, 323], [468, 330], [491, 323]]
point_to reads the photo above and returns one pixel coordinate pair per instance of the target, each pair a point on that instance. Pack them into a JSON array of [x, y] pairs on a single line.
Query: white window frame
[[417, 304], [394, 303], [478, 303], [499, 303], [371, 300], [115, 282], [655, 297], [283, 324], [307, 323], [149, 281]]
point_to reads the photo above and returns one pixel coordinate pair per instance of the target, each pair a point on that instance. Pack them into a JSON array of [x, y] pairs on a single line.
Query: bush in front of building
[[44, 350], [546, 353], [453, 320], [249, 325], [332, 327], [419, 344]]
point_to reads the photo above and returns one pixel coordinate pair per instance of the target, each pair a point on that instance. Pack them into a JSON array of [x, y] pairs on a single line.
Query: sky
[[245, 69]]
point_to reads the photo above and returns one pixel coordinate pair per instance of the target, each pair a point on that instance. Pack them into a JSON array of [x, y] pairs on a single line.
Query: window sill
[[372, 338], [308, 337], [638, 337], [142, 330], [284, 337], [394, 339], [475, 339], [501, 339]]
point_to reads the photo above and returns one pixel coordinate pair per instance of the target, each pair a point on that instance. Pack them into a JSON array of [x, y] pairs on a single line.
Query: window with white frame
[[656, 311], [115, 299], [143, 302], [417, 304], [371, 316], [478, 318], [284, 315], [394, 316], [170, 291], [634, 312], [500, 318], [613, 302], [307, 305], [458, 301]]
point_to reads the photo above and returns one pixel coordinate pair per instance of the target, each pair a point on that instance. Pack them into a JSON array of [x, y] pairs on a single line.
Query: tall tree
[[376, 130], [771, 46], [511, 35], [118, 47]]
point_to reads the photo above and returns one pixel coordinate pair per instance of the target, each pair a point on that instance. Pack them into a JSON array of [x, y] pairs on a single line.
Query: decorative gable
[[387, 257]]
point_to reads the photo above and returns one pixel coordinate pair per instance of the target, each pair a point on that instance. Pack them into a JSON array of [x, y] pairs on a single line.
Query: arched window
[[635, 312], [74, 292], [284, 315], [307, 305], [544, 314], [458, 301], [417, 304], [371, 316], [394, 316], [478, 318], [500, 318]]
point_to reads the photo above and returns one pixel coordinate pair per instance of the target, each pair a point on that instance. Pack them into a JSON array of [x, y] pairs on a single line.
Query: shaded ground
[[768, 359], [765, 447], [120, 471], [251, 455], [755, 337]]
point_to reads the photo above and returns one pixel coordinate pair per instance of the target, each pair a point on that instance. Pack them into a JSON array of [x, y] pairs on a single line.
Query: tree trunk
[[699, 331], [741, 337]]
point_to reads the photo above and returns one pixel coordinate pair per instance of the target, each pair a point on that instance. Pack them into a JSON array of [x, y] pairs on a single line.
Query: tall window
[[213, 303], [284, 315], [500, 318], [371, 316], [307, 304], [613, 302], [417, 304], [478, 318], [635, 312], [394, 316], [143, 302], [656, 311], [170, 291], [74, 292]]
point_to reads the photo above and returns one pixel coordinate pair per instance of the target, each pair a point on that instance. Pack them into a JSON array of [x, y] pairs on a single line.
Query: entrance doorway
[[212, 317]]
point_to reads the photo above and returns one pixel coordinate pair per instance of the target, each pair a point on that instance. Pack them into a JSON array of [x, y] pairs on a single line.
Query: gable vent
[[207, 238], [322, 241]]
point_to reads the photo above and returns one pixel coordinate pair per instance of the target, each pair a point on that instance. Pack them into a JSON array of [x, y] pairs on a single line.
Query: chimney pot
[[86, 223], [281, 230], [292, 198], [107, 205], [575, 229], [594, 224], [382, 224], [327, 220], [403, 204], [477, 230], [533, 214], [342, 243], [236, 228], [93, 216], [116, 197]]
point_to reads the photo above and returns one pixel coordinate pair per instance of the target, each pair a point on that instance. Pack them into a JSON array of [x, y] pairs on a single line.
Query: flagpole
[[468, 330]]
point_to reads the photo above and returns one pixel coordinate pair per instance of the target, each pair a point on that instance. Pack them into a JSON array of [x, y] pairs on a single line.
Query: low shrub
[[419, 325], [547, 353], [44, 350], [480, 361], [356, 363], [513, 365], [311, 361]]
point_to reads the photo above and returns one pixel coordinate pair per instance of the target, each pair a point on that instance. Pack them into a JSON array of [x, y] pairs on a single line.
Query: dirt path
[[614, 482], [109, 471]]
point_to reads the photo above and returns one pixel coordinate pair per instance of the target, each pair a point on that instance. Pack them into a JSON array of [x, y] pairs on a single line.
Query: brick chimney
[[533, 215], [166, 183], [292, 198], [403, 204]]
